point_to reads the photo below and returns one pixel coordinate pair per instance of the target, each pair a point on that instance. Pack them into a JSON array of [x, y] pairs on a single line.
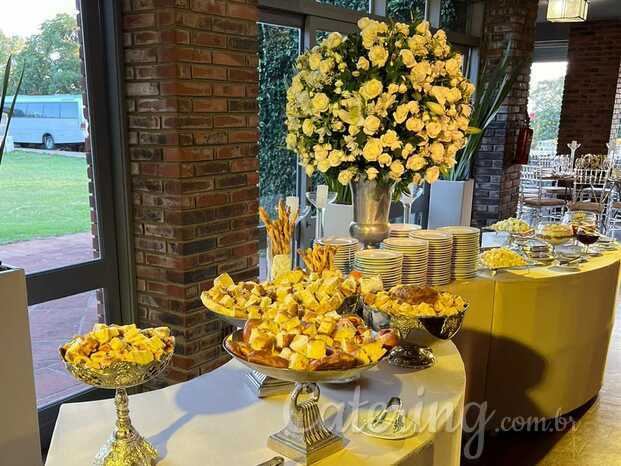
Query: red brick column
[[496, 176], [591, 86], [191, 83]]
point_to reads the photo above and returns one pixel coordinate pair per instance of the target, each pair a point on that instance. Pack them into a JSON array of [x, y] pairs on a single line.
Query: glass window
[[358, 5], [19, 110], [34, 111], [52, 324], [453, 15], [279, 46], [547, 81], [51, 110], [405, 10], [69, 110]]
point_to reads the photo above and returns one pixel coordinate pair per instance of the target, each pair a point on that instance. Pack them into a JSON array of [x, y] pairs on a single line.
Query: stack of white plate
[[402, 230], [415, 253], [386, 264], [440, 254], [466, 248], [345, 251]]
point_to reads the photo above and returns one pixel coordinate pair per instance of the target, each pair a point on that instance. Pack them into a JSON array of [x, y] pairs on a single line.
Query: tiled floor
[[52, 323]]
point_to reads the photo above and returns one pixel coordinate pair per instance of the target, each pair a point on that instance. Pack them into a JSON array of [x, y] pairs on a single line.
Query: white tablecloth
[[216, 420]]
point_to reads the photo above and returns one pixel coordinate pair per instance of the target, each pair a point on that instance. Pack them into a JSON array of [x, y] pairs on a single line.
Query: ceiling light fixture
[[567, 11]]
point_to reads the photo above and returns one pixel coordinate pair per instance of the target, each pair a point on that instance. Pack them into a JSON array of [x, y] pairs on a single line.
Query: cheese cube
[[298, 362], [299, 344], [374, 350], [223, 281], [316, 349], [291, 324], [326, 326]]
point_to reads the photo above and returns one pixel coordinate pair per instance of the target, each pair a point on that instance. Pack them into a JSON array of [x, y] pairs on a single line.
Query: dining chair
[[591, 191], [534, 200]]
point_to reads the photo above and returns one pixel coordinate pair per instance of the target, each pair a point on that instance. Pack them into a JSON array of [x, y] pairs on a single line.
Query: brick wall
[[591, 85], [496, 177], [191, 83]]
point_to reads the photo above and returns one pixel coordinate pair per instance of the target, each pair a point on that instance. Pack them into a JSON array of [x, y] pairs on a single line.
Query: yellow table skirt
[[534, 342]]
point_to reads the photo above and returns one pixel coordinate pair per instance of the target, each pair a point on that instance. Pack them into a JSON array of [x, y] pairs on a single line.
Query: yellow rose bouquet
[[389, 103]]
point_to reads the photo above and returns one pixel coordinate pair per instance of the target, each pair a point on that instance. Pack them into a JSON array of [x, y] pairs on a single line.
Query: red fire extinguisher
[[522, 149]]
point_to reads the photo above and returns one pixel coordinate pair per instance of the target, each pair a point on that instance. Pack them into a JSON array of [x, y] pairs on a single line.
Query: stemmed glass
[[555, 234], [587, 235], [320, 201], [413, 192]]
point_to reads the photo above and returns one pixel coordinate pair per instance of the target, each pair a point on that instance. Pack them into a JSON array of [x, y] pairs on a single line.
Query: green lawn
[[42, 195]]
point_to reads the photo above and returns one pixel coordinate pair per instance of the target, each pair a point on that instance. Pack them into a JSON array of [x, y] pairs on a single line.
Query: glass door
[[57, 204]]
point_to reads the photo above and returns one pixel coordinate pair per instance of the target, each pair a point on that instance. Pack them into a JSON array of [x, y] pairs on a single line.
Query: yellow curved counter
[[534, 342]]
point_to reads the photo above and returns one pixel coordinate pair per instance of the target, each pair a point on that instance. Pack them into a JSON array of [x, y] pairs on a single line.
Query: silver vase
[[371, 202]]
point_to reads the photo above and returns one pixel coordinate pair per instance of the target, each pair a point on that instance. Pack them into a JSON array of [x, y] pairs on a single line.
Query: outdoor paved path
[[54, 322]]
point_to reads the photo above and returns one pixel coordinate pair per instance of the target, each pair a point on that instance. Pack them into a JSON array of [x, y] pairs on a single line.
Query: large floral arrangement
[[389, 104]]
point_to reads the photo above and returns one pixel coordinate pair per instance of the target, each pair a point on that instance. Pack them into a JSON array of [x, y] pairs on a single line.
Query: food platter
[[320, 376]]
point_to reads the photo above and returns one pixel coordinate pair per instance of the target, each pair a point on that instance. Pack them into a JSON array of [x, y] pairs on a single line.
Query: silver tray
[[328, 376]]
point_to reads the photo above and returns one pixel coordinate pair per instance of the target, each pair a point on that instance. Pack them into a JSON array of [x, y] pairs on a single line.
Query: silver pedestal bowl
[[415, 334]]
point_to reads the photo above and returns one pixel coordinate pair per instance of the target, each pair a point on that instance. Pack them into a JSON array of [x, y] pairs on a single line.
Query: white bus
[[47, 120]]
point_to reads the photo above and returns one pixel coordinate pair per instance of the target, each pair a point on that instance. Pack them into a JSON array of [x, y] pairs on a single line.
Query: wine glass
[[413, 192], [320, 205], [587, 235]]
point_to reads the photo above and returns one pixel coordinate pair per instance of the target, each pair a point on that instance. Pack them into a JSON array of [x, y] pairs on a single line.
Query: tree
[[544, 104], [51, 57]]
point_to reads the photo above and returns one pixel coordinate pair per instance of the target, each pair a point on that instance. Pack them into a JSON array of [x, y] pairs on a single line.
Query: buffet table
[[535, 341], [215, 419]]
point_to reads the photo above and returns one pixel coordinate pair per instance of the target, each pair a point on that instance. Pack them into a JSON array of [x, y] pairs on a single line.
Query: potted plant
[[377, 110], [451, 197]]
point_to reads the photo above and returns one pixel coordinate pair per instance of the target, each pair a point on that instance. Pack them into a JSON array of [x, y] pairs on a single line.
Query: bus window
[[18, 112], [51, 110], [34, 110], [69, 110]]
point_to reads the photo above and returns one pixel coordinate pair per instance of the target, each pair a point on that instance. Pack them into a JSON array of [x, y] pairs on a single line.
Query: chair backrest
[[592, 182], [530, 180]]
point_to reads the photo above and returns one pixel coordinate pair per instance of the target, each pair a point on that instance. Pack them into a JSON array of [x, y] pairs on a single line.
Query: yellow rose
[[363, 22], [372, 173], [345, 176], [353, 130], [314, 60], [371, 125], [432, 174], [336, 157], [453, 66], [420, 71], [372, 149], [433, 129], [323, 166], [415, 125], [391, 139], [308, 128], [415, 163], [408, 58], [454, 95], [407, 150], [384, 160], [401, 113], [292, 140], [371, 89], [325, 66], [423, 27], [397, 168], [321, 152], [403, 28], [363, 64], [466, 110], [418, 44], [413, 107], [309, 170], [403, 88], [333, 40], [440, 93], [393, 88], [437, 152], [378, 55], [320, 103]]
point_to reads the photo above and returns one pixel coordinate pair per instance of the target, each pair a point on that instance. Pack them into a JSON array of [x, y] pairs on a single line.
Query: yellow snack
[[500, 258]]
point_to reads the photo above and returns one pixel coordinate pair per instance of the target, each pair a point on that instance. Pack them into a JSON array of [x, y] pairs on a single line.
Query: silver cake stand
[[305, 439]]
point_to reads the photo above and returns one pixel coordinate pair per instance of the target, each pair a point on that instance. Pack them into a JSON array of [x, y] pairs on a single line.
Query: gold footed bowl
[[415, 334], [125, 447]]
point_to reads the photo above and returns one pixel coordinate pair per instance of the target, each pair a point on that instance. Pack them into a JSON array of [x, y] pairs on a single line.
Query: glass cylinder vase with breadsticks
[[319, 258], [279, 239]]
